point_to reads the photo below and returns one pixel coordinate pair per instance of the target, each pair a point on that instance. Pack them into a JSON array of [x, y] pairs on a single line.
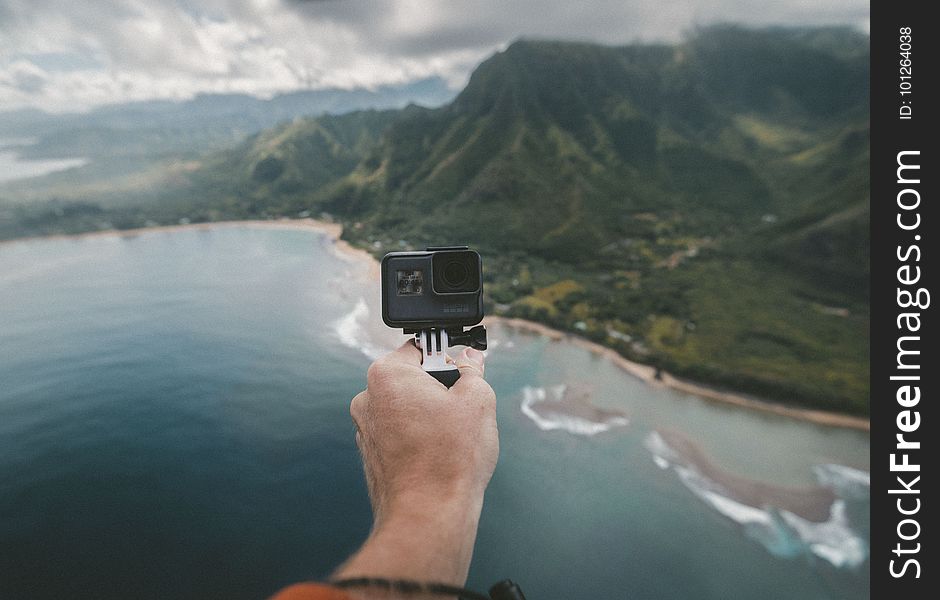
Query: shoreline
[[333, 230], [646, 373], [707, 392]]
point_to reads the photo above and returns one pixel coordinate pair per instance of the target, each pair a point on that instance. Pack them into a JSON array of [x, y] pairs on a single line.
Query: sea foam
[[780, 532], [551, 416], [351, 331], [844, 481]]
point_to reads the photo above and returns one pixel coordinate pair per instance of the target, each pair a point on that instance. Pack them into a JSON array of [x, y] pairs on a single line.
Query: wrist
[[432, 502], [421, 534]]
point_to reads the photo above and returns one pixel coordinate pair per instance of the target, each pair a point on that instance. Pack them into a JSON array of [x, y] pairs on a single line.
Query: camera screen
[[410, 283]]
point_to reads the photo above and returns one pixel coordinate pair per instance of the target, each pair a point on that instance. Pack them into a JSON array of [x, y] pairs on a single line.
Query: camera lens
[[455, 273]]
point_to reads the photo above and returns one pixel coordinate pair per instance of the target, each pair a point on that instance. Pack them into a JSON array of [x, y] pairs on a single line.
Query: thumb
[[470, 363]]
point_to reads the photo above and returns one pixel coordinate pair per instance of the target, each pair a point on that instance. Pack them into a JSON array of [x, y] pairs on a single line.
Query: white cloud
[[65, 55]]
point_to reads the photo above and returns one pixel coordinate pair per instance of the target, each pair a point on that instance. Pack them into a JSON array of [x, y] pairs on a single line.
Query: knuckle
[[356, 406], [378, 372], [471, 370], [486, 392], [489, 397], [481, 390]]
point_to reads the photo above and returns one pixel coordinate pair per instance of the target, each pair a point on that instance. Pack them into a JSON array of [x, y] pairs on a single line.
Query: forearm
[[428, 453], [422, 539]]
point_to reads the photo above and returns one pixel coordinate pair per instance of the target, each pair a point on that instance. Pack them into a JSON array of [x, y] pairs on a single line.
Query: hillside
[[129, 146], [703, 207]]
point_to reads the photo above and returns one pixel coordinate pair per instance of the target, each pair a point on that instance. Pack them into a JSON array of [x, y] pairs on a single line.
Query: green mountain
[[702, 207], [571, 143], [130, 145]]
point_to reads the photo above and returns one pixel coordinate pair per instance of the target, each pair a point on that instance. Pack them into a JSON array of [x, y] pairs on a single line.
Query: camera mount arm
[[433, 342]]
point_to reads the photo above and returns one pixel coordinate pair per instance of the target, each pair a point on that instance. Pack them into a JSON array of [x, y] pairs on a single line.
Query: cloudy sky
[[64, 55]]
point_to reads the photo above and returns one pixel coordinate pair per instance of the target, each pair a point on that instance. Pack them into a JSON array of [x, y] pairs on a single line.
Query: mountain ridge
[[700, 206]]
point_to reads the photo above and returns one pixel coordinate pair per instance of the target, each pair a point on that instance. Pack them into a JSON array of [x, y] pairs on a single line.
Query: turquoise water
[[174, 424]]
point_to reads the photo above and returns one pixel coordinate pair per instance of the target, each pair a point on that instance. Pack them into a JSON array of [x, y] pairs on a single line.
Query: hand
[[419, 438], [428, 454]]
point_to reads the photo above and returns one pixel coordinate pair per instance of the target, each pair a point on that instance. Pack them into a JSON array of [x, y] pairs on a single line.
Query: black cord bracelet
[[405, 586]]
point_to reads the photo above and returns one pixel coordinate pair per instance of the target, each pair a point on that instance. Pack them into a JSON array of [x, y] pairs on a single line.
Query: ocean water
[[13, 167], [174, 424]]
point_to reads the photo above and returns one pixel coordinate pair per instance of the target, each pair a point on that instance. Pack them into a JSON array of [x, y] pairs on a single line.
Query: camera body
[[441, 287]]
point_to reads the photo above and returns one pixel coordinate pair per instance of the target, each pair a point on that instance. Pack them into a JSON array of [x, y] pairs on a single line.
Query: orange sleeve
[[310, 591]]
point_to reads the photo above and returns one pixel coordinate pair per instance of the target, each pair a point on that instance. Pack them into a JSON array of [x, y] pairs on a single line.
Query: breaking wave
[[844, 481], [781, 532], [351, 331], [551, 409]]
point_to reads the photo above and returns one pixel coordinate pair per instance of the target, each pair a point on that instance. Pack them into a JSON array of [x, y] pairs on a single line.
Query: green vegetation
[[702, 207]]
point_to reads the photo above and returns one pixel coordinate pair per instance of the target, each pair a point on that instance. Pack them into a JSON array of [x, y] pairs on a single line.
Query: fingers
[[471, 382], [392, 365], [407, 353], [470, 361]]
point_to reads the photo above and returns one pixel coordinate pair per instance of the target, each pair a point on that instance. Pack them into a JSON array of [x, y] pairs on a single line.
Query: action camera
[[439, 287], [434, 294]]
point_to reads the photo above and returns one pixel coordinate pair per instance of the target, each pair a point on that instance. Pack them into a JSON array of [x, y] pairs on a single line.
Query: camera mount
[[434, 341], [436, 295]]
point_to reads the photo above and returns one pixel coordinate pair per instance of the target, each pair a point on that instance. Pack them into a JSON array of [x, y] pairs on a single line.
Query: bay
[[13, 166], [174, 424]]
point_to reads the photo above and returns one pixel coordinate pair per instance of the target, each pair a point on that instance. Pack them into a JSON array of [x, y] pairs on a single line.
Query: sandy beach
[[648, 374], [645, 372], [333, 230]]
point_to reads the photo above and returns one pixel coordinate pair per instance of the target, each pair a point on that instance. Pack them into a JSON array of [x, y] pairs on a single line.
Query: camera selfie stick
[[433, 342]]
